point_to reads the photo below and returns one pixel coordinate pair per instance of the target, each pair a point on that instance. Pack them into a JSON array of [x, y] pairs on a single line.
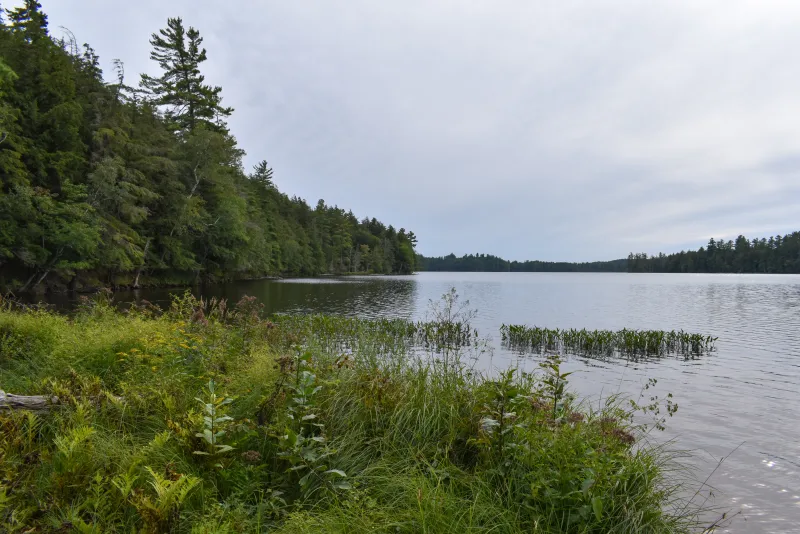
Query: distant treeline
[[778, 254], [112, 184], [489, 263]]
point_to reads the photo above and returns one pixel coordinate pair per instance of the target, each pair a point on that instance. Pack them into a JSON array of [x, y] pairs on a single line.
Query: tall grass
[[318, 424]]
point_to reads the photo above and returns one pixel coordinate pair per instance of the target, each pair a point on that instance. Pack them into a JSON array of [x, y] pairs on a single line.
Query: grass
[[208, 419]]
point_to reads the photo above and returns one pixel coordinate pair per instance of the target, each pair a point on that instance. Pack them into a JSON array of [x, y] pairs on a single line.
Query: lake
[[746, 394]]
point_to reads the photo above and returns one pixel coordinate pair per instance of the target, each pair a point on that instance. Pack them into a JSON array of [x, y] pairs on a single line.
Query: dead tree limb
[[34, 403]]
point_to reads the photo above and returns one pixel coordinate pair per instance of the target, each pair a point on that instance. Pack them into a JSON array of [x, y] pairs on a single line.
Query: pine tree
[[189, 102], [30, 21], [262, 173]]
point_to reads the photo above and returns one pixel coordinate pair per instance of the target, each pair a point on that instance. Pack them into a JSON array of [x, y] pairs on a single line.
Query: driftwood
[[34, 403]]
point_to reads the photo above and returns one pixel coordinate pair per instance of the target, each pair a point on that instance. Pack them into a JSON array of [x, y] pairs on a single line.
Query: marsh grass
[[593, 343], [318, 424]]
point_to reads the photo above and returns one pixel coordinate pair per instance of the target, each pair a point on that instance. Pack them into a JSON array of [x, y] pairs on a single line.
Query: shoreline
[[90, 289], [135, 404]]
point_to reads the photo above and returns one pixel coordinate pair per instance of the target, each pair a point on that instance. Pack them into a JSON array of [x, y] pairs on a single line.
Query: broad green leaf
[[597, 507]]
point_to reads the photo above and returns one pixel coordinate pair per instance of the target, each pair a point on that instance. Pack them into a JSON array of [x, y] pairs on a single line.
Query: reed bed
[[625, 342], [349, 333]]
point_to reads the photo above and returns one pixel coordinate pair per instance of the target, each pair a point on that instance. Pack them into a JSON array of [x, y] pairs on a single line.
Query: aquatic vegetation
[[206, 418], [630, 343]]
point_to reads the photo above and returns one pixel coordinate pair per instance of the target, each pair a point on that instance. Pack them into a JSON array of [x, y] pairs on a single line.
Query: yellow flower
[[154, 368]]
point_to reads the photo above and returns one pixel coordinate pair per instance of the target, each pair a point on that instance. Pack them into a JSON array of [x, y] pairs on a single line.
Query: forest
[[777, 255], [489, 263], [111, 184]]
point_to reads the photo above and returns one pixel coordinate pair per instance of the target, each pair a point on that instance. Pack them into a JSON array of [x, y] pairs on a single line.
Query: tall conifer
[[189, 102]]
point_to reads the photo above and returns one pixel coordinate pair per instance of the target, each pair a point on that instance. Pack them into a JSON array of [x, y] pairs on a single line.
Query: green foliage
[[215, 422], [191, 104], [777, 254], [105, 185], [490, 263], [159, 510], [598, 343], [304, 445], [339, 425]]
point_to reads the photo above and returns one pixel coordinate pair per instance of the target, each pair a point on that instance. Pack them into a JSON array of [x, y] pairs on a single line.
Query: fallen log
[[34, 403]]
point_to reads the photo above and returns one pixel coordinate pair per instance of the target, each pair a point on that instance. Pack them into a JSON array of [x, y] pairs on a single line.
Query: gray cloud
[[571, 130]]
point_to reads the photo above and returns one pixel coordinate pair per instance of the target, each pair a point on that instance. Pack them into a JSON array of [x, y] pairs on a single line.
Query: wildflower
[[625, 437], [575, 417], [539, 405], [251, 456]]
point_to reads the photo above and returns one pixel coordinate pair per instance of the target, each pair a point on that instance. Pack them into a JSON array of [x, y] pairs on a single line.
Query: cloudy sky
[[531, 129]]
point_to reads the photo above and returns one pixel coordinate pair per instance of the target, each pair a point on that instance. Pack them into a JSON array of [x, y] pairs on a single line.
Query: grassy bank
[[208, 419]]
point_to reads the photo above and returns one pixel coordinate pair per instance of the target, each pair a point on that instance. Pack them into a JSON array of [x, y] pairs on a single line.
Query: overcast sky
[[555, 130]]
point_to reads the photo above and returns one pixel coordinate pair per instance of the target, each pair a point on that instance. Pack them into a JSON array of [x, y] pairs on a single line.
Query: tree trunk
[[28, 283], [41, 279], [36, 403], [144, 259]]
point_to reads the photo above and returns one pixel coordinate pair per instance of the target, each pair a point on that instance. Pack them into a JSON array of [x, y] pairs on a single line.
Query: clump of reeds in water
[[349, 333], [606, 342]]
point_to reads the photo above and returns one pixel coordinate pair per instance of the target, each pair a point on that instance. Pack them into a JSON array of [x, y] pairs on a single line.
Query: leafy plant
[[554, 383], [160, 509], [499, 418], [303, 444], [653, 405], [215, 422]]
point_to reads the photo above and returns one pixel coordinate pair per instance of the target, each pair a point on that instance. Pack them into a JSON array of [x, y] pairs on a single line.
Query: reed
[[629, 343]]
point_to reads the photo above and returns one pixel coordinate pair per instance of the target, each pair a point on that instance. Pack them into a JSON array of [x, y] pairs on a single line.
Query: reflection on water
[[365, 296], [745, 393]]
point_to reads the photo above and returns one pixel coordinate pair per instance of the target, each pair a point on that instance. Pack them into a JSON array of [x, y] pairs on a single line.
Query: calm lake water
[[745, 393]]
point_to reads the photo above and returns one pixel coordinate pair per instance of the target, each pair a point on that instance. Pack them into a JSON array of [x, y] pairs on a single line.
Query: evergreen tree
[[778, 254], [189, 102]]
